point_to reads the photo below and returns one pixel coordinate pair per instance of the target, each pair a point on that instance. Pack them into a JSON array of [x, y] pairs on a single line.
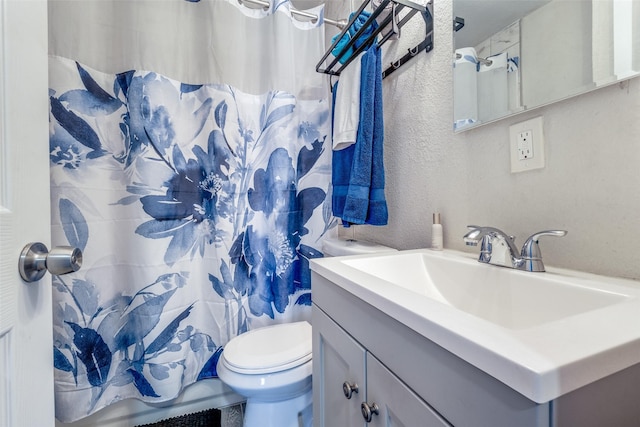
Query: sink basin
[[543, 334], [509, 298]]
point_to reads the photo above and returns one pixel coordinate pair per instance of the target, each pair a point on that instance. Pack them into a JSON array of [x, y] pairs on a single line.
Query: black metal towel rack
[[426, 45]]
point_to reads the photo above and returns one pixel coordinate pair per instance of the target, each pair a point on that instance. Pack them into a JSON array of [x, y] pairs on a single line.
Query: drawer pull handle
[[349, 389], [369, 410]]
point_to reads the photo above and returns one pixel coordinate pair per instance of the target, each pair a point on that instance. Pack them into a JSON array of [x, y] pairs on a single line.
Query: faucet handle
[[557, 233], [531, 250]]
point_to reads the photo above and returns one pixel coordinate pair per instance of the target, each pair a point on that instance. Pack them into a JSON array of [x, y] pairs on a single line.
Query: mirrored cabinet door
[[513, 56]]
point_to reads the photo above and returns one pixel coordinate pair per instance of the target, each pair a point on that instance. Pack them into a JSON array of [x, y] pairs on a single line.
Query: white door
[[26, 347]]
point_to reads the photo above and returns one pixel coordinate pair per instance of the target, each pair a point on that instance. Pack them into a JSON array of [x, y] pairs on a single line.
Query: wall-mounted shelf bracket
[[336, 66]]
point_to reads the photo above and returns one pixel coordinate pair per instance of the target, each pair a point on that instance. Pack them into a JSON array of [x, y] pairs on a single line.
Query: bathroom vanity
[[419, 361]]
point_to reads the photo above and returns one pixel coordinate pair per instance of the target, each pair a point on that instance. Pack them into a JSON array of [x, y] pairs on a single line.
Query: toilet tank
[[333, 246]]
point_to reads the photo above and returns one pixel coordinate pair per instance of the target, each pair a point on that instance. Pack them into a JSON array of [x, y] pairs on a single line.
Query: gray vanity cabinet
[[347, 377], [414, 382], [417, 383]]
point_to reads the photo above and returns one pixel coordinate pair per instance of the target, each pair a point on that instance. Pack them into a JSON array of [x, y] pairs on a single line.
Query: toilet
[[334, 246], [271, 366]]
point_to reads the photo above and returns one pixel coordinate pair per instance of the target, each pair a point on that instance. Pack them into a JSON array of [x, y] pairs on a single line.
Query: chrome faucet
[[498, 248]]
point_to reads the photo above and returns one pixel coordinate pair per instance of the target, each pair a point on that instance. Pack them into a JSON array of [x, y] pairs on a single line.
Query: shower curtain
[[190, 163], [493, 88], [484, 91]]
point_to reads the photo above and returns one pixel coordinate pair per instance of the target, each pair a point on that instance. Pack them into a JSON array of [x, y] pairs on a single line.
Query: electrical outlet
[[527, 145]]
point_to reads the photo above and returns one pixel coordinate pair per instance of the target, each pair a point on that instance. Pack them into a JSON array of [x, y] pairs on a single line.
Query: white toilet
[[271, 366], [334, 246]]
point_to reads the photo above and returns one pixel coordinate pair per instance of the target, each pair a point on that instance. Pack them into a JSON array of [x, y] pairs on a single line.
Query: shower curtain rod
[[265, 4], [483, 61]]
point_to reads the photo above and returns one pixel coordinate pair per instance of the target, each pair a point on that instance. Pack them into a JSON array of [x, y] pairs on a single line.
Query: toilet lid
[[269, 349]]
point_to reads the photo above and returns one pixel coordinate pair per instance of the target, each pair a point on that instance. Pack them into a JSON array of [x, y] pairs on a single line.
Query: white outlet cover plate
[[537, 160]]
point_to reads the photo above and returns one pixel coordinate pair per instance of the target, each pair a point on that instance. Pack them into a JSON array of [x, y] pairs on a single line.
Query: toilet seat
[[269, 349]]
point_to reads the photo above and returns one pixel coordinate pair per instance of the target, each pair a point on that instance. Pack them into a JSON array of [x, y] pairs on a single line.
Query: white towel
[[346, 114], [395, 21]]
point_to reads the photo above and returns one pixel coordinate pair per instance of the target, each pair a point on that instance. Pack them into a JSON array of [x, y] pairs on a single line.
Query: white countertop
[[543, 360]]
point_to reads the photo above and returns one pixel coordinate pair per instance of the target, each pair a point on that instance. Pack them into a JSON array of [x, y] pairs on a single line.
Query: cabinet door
[[338, 364], [397, 405]]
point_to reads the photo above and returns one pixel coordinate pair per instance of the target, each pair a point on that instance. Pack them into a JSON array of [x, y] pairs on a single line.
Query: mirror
[[516, 55]]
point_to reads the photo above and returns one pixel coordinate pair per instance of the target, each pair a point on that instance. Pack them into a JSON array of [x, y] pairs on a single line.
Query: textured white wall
[[590, 185]]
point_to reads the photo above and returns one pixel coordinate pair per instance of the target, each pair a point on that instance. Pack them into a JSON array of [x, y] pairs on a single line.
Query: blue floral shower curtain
[[197, 206]]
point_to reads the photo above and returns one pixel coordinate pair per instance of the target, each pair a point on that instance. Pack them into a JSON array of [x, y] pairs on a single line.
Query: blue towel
[[358, 170], [352, 30]]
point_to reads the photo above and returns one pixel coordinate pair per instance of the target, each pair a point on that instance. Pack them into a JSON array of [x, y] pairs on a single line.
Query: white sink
[[543, 334], [506, 297]]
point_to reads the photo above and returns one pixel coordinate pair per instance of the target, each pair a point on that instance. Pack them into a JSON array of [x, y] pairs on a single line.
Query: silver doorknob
[[349, 389], [369, 410], [35, 260]]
